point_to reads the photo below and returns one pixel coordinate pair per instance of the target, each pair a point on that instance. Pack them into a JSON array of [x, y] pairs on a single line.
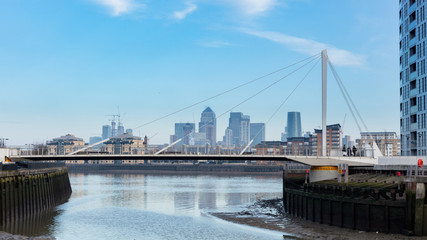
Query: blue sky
[[65, 65]]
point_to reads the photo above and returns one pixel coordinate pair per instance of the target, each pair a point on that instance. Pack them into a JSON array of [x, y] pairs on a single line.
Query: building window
[[413, 67], [412, 34]]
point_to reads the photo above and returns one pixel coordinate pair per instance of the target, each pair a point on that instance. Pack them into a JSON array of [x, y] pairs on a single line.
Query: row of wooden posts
[[25, 194]]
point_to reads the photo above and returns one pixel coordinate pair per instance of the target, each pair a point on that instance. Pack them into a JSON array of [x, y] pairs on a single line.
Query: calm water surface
[[152, 206]]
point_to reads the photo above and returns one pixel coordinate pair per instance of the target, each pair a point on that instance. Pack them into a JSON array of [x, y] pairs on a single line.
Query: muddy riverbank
[[269, 214], [8, 236]]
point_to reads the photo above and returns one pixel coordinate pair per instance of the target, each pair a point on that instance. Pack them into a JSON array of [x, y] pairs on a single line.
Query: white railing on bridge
[[401, 160], [416, 171]]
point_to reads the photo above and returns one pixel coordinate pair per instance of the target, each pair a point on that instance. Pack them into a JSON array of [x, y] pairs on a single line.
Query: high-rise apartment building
[[106, 132], [346, 141], [245, 132], [284, 135], [257, 133], [94, 139], [120, 129], [234, 123], [240, 128], [113, 128], [294, 125], [186, 132], [413, 77], [207, 125], [228, 137]]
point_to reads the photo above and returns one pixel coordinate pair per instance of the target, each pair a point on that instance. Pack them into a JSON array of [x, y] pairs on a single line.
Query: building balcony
[[413, 41], [412, 25], [413, 109], [413, 59], [412, 8], [413, 93], [413, 127], [414, 145], [413, 75]]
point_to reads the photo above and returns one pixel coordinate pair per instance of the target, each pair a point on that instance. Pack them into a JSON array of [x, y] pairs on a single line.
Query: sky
[[65, 66]]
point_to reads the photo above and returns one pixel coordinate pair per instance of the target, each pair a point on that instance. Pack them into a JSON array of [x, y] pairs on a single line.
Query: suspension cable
[[345, 96], [280, 106], [269, 86], [351, 100], [224, 92], [210, 98], [245, 100]]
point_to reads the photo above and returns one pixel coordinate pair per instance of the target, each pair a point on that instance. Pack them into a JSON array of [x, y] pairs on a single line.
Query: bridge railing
[[416, 171]]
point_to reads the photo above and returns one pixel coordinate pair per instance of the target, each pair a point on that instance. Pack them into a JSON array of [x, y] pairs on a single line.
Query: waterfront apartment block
[[64, 145], [304, 146], [295, 146], [413, 82], [333, 141], [270, 148], [125, 144], [298, 146], [387, 142]]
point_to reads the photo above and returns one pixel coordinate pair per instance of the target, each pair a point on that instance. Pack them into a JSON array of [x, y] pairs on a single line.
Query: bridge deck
[[308, 160]]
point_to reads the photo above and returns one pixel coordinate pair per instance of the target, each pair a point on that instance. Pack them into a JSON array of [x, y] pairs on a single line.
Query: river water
[[155, 206]]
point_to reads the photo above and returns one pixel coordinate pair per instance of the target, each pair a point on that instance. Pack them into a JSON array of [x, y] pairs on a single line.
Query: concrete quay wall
[[28, 193]]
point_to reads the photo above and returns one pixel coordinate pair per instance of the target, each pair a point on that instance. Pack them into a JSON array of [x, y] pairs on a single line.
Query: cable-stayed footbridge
[[322, 158]]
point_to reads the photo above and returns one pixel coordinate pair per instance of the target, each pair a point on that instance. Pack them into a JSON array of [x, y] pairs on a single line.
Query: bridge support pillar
[[320, 173]]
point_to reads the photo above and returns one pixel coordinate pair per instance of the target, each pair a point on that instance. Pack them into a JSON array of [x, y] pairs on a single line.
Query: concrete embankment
[[28, 193], [177, 168]]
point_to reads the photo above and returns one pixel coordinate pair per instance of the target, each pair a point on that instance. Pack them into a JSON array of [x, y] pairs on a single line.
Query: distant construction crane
[[120, 129]]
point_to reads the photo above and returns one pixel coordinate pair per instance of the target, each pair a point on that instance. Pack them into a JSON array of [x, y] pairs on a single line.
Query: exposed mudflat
[[8, 236], [268, 214]]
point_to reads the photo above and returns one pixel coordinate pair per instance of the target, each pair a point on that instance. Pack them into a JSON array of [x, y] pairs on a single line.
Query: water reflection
[[156, 206], [187, 194], [35, 225]]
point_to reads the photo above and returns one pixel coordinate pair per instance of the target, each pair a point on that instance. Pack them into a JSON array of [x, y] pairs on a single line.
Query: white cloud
[[255, 7], [182, 14], [119, 7], [215, 44], [338, 56]]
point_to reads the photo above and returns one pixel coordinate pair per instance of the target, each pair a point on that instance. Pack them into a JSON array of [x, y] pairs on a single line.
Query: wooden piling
[[25, 194]]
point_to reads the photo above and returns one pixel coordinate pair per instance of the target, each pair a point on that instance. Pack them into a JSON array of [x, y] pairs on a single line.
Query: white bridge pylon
[[324, 93]]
